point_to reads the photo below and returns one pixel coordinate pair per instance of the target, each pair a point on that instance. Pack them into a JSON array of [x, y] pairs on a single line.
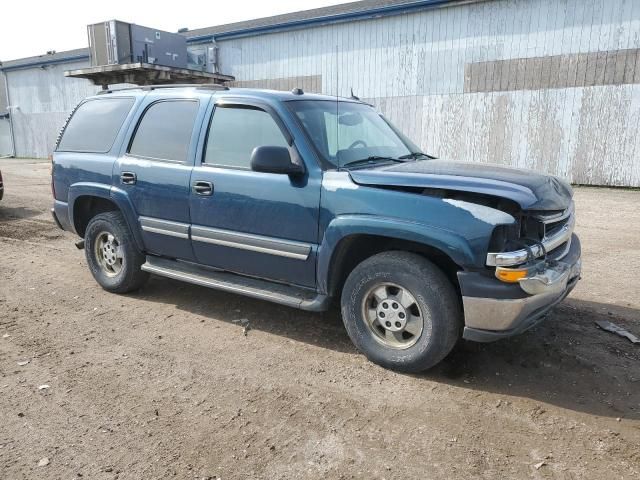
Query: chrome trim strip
[[564, 252], [506, 259], [557, 216], [165, 232], [255, 243], [164, 227]]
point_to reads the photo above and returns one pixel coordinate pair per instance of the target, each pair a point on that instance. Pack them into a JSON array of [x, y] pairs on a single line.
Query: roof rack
[[205, 86], [146, 74]]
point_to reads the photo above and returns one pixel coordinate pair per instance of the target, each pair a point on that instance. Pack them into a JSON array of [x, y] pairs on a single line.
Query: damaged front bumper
[[495, 310]]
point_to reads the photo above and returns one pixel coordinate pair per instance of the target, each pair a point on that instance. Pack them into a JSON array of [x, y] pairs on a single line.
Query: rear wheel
[[112, 255], [401, 311]]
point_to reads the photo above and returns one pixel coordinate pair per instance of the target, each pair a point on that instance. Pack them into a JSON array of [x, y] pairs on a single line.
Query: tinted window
[[94, 125], [235, 132], [165, 130]]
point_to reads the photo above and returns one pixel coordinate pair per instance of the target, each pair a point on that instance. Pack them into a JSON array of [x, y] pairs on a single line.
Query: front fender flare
[[451, 243]]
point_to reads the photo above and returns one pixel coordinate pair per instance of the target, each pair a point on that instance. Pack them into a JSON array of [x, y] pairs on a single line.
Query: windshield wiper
[[415, 156], [372, 159]]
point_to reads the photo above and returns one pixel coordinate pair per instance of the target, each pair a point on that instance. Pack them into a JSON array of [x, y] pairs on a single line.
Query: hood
[[531, 190]]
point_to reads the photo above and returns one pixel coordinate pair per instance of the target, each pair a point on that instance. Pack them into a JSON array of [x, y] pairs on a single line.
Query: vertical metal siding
[[555, 87], [41, 100], [552, 85], [3, 95]]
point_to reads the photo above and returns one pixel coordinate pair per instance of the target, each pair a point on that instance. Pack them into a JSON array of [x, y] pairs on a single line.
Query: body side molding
[[164, 227], [256, 243]]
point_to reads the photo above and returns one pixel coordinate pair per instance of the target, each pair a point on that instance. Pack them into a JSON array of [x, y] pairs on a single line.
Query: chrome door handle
[[128, 178], [203, 188]]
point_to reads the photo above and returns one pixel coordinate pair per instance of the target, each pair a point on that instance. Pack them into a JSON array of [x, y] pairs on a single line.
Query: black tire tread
[[431, 287], [133, 277]]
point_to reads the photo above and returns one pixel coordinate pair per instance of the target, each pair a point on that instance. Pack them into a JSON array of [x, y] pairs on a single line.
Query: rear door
[[155, 167], [253, 223]]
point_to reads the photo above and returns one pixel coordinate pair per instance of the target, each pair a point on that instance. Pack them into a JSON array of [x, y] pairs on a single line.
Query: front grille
[[560, 251], [551, 223], [540, 233]]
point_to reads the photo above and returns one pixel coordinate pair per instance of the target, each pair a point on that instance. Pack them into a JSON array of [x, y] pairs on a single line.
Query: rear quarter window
[[94, 125]]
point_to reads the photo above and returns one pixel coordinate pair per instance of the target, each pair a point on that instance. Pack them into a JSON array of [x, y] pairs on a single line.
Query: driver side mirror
[[268, 159]]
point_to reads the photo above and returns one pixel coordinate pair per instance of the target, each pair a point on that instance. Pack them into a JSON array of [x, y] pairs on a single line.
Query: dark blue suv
[[301, 199]]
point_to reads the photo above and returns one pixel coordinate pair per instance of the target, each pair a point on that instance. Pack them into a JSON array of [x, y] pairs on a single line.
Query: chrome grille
[[552, 223], [554, 232]]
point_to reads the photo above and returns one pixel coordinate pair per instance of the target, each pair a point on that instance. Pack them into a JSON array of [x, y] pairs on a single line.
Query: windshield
[[347, 132]]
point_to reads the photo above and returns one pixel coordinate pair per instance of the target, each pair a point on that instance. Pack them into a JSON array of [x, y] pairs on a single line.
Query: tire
[[109, 240], [417, 293]]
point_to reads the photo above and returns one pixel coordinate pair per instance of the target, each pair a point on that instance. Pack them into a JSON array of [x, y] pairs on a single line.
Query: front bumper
[[495, 310]]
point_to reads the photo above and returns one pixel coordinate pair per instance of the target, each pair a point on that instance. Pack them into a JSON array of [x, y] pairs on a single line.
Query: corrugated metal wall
[[41, 99], [3, 98], [5, 138], [552, 85]]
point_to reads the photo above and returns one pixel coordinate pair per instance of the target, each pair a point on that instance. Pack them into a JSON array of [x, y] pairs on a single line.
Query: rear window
[[94, 125], [164, 133]]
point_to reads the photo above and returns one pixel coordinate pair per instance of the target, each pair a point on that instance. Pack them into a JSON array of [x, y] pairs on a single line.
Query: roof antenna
[[353, 97]]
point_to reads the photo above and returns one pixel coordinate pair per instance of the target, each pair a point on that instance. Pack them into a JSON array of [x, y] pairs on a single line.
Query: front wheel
[[401, 311], [112, 255]]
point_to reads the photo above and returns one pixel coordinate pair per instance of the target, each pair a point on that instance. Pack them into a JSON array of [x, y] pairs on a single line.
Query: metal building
[[6, 143], [552, 85]]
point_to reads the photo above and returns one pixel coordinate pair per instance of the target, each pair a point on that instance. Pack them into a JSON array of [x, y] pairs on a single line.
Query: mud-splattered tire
[[112, 256], [401, 311]]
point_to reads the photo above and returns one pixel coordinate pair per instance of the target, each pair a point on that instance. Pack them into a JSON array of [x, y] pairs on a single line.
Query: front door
[[258, 224], [156, 168]]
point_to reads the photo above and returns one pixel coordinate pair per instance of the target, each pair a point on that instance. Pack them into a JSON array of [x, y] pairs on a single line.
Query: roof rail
[[203, 86]]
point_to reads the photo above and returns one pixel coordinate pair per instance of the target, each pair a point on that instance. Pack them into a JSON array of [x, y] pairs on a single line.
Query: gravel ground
[[163, 383]]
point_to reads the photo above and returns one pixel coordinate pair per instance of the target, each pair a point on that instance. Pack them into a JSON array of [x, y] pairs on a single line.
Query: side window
[[94, 125], [165, 130], [234, 133]]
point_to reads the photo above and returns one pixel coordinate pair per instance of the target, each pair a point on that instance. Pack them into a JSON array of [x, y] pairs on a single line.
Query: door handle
[[203, 188], [128, 178]]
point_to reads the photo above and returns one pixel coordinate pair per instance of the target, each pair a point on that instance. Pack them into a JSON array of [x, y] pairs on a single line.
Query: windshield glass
[[345, 132]]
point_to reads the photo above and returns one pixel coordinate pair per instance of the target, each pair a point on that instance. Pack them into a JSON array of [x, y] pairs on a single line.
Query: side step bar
[[230, 282]]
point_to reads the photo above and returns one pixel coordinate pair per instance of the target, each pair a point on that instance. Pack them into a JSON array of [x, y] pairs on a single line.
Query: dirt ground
[[164, 383]]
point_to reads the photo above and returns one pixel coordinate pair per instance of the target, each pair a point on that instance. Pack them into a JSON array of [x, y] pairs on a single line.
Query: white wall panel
[[41, 99], [412, 66], [555, 84]]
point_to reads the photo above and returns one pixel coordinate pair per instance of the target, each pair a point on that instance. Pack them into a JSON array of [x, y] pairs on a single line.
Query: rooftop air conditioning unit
[[118, 43]]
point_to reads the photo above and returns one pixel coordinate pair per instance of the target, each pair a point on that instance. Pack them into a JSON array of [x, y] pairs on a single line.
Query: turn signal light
[[511, 275]]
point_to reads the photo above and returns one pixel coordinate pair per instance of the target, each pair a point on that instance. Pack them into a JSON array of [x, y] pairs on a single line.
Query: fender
[[457, 247], [114, 194]]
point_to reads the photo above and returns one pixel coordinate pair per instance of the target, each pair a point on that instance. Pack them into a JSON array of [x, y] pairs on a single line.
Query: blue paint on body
[[320, 208]]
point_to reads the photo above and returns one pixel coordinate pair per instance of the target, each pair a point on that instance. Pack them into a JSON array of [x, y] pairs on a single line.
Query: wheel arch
[[347, 243], [88, 200]]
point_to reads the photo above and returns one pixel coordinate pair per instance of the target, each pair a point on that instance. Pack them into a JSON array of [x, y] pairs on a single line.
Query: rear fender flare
[[117, 196]]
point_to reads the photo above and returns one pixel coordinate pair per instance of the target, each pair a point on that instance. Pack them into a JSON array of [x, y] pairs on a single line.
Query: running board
[[230, 282]]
